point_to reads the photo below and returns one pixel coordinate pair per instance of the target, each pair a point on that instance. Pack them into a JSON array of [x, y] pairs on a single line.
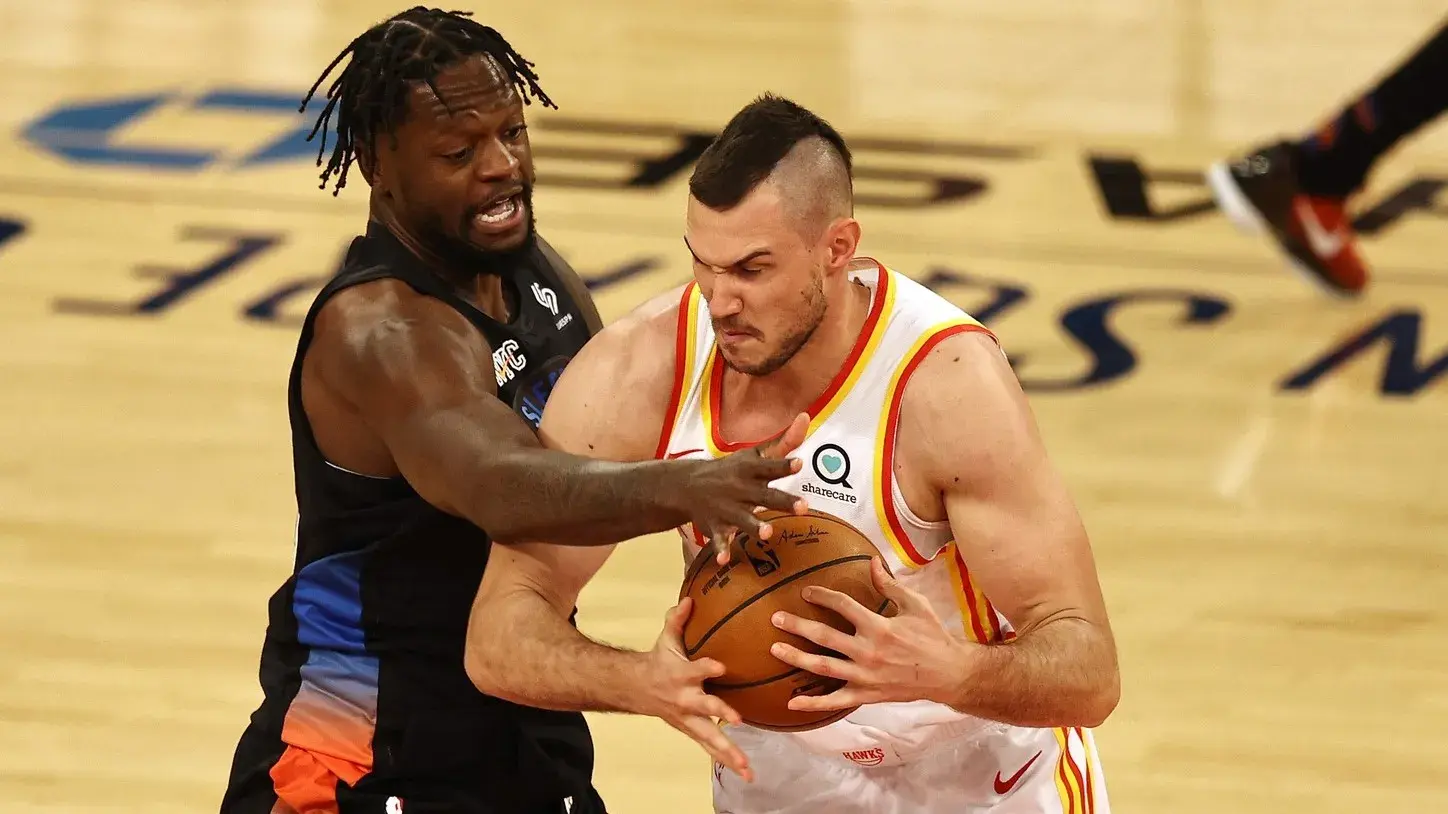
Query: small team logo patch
[[508, 360], [394, 805], [866, 757], [832, 465], [546, 298]]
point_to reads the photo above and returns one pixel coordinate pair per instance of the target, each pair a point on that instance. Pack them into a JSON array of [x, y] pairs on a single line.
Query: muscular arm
[[1018, 530], [520, 645], [610, 402], [420, 377]]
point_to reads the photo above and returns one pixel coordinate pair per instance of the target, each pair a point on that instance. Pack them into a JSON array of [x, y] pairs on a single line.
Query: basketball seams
[[749, 685], [690, 651], [703, 558], [813, 724], [786, 674], [733, 625], [805, 727]]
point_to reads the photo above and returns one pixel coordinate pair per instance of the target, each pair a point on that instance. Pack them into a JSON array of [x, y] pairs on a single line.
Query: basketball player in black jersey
[[420, 367]]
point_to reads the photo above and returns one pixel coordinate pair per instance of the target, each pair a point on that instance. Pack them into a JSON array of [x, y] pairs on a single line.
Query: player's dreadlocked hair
[[370, 96]]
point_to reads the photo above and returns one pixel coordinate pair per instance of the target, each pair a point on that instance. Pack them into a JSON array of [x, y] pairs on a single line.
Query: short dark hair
[[369, 98], [752, 144]]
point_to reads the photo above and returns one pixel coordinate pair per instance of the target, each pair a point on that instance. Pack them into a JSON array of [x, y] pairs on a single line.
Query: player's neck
[[803, 378]]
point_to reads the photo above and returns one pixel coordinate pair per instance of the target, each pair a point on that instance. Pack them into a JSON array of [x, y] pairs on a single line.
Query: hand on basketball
[[727, 497], [674, 691], [908, 657]]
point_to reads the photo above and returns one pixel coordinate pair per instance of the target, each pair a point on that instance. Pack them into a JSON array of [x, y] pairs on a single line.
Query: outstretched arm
[[420, 376], [520, 646], [966, 426]]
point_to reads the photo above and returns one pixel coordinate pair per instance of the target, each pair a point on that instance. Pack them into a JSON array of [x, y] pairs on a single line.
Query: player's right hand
[[724, 496], [674, 691]]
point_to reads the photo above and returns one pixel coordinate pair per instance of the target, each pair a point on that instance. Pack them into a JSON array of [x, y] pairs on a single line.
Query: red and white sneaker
[[1259, 193]]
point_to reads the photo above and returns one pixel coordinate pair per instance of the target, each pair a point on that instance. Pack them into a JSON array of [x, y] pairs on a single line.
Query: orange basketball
[[730, 620]]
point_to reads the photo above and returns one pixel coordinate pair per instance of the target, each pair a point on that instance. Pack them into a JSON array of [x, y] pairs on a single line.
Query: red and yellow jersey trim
[[889, 423], [977, 614], [1074, 780], [686, 337]]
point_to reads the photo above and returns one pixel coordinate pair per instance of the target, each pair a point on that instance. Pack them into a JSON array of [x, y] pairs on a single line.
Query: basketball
[[730, 621]]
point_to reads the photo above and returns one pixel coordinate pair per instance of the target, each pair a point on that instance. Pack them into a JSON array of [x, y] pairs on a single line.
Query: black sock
[[1335, 160]]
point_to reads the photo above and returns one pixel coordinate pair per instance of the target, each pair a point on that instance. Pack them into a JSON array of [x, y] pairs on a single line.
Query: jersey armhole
[[683, 364], [896, 516]]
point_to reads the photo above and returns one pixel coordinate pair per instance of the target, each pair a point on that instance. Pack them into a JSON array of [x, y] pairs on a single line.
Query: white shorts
[[1006, 770]]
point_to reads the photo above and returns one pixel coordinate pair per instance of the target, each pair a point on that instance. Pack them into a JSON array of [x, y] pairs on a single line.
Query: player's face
[[461, 176], [764, 283]]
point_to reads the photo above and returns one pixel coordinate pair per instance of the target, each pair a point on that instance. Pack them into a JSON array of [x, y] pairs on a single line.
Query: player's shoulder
[[951, 355], [381, 333], [968, 349], [959, 404], [963, 372], [654, 319], [613, 396], [389, 311], [633, 356]]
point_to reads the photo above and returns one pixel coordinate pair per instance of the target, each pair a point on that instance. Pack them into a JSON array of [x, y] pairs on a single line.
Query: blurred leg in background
[[1297, 191]]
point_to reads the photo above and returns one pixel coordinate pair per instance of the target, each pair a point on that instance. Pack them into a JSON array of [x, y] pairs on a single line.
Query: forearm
[[517, 490], [493, 471], [541, 494], [1061, 673], [521, 649]]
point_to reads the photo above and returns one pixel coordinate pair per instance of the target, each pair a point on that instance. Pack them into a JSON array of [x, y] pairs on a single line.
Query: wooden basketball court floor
[[1271, 532]]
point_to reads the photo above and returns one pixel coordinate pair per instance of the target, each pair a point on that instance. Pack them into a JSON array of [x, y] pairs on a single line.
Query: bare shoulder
[[385, 332], [956, 369], [963, 406], [636, 351], [375, 310], [612, 398]]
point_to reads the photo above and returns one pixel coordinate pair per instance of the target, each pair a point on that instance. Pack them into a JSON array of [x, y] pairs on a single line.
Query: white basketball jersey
[[849, 452]]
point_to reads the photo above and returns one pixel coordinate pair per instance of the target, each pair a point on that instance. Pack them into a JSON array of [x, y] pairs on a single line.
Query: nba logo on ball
[[832, 465]]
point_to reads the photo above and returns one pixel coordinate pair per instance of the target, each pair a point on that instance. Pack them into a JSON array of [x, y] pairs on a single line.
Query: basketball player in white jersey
[[980, 694]]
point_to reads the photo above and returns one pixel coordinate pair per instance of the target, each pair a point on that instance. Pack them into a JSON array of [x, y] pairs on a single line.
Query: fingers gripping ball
[[730, 621]]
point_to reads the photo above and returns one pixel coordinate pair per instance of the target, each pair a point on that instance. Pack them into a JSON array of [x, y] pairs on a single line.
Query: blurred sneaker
[[1259, 193]]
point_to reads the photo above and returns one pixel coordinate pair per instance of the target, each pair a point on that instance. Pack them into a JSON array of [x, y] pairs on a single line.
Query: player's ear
[[366, 163], [841, 239]]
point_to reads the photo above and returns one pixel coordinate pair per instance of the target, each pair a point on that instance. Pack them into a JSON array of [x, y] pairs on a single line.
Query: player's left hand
[[908, 657]]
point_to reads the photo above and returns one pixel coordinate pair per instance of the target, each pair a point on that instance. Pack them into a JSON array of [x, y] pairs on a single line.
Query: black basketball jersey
[[362, 666]]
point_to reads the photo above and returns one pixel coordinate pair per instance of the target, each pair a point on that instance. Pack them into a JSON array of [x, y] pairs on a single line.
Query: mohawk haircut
[[369, 97], [752, 144]]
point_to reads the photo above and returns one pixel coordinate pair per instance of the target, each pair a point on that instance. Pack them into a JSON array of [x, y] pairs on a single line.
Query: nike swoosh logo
[[1004, 786], [1321, 241], [672, 455]]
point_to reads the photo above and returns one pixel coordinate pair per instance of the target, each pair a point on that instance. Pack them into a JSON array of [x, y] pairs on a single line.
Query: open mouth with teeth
[[502, 215]]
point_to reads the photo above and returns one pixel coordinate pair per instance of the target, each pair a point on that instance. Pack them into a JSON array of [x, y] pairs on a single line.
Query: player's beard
[[462, 254], [811, 315]]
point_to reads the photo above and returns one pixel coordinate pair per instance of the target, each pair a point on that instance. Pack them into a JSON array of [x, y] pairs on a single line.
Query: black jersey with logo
[[366, 697]]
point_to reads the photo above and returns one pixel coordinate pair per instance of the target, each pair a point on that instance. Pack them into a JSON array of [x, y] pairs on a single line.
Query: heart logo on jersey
[[832, 465]]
